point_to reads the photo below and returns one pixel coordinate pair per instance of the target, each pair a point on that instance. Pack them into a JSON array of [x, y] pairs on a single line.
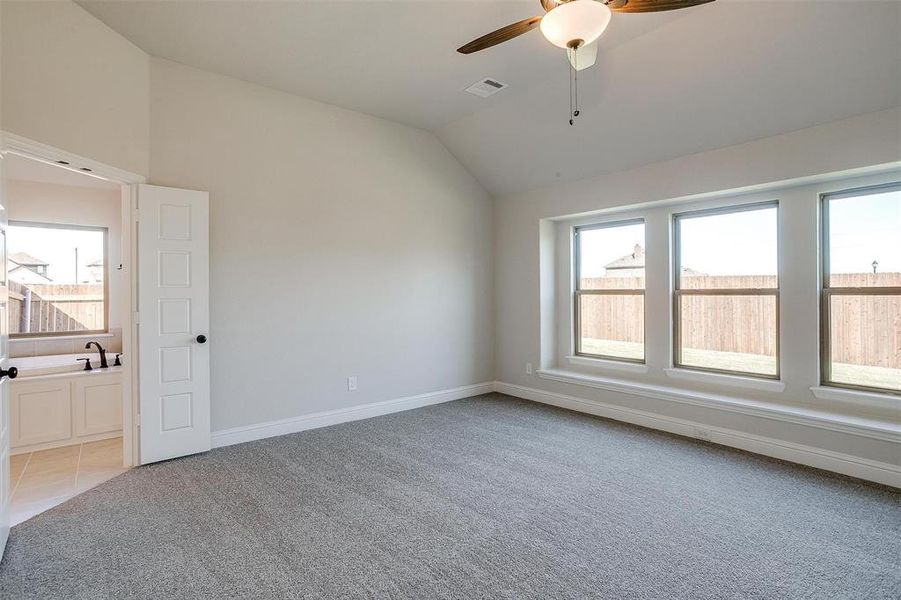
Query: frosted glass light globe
[[582, 20]]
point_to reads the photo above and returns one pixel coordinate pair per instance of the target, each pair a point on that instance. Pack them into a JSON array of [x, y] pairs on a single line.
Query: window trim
[[827, 291], [578, 293], [678, 292], [106, 300]]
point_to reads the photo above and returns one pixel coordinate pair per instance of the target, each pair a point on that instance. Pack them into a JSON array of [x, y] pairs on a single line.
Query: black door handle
[[201, 339], [11, 372]]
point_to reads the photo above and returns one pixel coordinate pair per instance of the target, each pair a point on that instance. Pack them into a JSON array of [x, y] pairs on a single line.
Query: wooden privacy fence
[[866, 330], [55, 307]]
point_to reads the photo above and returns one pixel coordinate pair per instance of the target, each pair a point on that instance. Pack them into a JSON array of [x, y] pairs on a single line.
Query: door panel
[[173, 307]]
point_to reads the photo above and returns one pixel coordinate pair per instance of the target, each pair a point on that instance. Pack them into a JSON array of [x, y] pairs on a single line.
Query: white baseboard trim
[[258, 431], [846, 464]]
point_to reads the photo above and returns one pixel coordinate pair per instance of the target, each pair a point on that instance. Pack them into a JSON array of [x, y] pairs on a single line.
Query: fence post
[[25, 318]]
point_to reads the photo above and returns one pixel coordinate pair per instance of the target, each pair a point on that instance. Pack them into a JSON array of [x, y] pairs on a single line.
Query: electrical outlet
[[528, 368], [352, 383]]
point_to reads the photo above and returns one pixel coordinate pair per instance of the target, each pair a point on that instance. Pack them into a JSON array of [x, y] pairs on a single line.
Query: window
[[609, 291], [57, 279], [861, 292], [726, 297]]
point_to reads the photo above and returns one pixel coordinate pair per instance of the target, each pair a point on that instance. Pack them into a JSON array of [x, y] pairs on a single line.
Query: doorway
[[66, 312]]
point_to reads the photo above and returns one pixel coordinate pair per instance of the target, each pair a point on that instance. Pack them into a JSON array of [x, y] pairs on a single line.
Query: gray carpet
[[489, 497]]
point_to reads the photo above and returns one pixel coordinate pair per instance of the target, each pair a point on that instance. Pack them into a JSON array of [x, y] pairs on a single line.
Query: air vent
[[486, 87]]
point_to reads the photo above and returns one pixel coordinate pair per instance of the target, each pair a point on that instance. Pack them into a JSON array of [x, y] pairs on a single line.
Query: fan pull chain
[[574, 88]]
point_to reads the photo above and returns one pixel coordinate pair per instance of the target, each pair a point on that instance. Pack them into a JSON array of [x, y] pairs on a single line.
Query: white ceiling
[[26, 169], [665, 85]]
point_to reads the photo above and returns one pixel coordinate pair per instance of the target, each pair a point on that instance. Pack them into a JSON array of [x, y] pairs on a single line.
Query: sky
[[57, 247], [862, 229], [879, 216]]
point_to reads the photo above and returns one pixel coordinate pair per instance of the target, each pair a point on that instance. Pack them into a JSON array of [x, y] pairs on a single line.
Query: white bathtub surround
[[54, 403], [39, 366], [69, 344]]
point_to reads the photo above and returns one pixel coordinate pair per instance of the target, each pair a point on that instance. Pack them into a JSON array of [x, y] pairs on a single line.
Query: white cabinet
[[98, 405], [40, 412], [58, 410]]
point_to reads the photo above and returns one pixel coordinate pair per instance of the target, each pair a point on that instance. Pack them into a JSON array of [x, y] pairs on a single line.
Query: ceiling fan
[[574, 25]]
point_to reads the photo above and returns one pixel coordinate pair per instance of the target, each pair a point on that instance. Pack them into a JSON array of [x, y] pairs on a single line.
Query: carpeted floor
[[489, 497]]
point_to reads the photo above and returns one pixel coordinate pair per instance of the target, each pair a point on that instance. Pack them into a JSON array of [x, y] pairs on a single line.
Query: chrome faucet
[[102, 352]]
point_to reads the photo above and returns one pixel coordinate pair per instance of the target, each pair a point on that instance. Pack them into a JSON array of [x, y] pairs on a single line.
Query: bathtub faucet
[[102, 352]]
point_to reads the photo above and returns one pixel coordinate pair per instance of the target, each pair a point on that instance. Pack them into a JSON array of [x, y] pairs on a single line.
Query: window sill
[[751, 383], [46, 338], [873, 428], [607, 365], [858, 397]]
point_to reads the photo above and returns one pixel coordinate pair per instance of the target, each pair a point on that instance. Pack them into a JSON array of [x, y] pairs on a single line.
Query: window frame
[[577, 293], [827, 291], [678, 293], [106, 303]]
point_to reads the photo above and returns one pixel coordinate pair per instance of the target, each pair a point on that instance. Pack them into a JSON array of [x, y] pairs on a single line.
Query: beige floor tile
[[16, 468], [22, 511], [94, 477], [105, 453], [50, 477], [35, 489], [55, 460]]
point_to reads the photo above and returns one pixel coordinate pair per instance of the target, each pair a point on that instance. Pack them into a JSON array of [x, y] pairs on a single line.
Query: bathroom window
[[57, 279], [861, 293], [726, 296], [609, 291]]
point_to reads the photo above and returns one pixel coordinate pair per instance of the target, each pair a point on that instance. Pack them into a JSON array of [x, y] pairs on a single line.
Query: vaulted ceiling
[[665, 85]]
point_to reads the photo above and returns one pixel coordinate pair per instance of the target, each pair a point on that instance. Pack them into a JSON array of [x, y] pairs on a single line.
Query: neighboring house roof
[[27, 260], [630, 261], [25, 274], [96, 263], [636, 261]]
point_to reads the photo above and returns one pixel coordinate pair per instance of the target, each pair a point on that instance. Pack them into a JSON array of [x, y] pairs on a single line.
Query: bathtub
[[36, 366], [54, 402]]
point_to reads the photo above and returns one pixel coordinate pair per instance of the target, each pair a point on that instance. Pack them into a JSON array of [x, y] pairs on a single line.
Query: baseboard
[[846, 464], [258, 431]]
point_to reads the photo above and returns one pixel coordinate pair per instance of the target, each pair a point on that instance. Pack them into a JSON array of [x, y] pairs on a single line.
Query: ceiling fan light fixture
[[576, 22]]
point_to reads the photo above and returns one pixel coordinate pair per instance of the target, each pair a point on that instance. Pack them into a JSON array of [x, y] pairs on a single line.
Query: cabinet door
[[41, 412], [98, 405]]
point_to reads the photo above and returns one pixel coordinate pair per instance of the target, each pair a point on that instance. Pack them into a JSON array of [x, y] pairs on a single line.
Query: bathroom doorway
[[68, 317]]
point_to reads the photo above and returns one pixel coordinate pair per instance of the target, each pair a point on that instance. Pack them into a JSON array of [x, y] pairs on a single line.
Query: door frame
[[11, 143]]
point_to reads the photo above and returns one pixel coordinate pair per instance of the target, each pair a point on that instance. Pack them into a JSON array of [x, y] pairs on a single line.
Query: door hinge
[[137, 318], [137, 214]]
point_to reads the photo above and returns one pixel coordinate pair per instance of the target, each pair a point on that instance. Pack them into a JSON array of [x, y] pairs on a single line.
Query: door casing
[[20, 146]]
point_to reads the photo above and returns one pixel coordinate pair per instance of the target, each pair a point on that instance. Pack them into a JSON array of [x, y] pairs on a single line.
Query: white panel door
[[173, 322], [6, 372]]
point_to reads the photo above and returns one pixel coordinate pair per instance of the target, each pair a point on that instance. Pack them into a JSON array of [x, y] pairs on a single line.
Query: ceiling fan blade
[[642, 6], [501, 35]]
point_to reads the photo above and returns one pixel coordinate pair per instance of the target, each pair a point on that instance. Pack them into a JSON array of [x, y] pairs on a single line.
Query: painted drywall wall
[[70, 205], [341, 245], [524, 333], [73, 83]]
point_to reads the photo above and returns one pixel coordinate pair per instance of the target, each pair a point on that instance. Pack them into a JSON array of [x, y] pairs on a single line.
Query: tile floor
[[43, 479]]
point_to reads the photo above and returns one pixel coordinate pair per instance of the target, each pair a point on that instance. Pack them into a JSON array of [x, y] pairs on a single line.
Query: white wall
[[341, 244], [72, 205], [72, 82], [524, 242]]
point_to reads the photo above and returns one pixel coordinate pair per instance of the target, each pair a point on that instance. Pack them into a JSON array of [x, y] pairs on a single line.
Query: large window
[[726, 297], [609, 291], [861, 297], [57, 279]]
